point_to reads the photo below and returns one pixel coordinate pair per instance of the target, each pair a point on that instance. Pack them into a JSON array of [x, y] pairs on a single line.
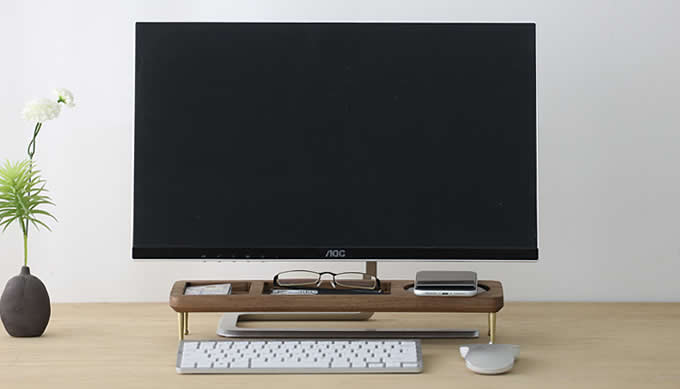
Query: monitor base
[[228, 327]]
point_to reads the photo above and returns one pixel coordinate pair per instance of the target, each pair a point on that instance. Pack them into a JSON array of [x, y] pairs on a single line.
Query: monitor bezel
[[350, 254], [334, 253]]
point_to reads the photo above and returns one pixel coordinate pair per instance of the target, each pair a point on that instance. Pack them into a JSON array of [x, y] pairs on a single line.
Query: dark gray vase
[[25, 305]]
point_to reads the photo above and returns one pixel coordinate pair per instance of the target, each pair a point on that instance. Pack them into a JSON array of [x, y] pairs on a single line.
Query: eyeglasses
[[308, 278]]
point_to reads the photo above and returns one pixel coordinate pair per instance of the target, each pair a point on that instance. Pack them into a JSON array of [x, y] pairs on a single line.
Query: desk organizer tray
[[397, 296]]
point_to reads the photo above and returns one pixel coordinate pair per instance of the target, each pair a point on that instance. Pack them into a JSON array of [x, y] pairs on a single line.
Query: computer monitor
[[335, 141]]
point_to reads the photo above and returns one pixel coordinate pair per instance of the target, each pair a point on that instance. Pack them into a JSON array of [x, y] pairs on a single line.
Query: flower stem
[[31, 145], [24, 224]]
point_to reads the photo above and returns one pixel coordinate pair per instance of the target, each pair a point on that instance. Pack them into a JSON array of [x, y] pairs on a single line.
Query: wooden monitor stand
[[252, 300]]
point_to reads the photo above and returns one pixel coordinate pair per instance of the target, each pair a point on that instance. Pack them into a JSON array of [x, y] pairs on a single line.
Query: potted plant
[[25, 303]]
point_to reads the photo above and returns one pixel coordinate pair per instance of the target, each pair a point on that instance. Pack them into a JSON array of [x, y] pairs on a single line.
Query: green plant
[[22, 190], [22, 194]]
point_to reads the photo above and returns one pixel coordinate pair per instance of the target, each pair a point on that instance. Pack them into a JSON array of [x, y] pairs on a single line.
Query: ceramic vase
[[25, 305]]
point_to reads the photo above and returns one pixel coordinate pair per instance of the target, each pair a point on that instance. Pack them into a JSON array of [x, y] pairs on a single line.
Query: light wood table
[[564, 345]]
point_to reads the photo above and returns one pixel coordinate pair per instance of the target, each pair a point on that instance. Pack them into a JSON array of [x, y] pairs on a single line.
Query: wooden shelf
[[254, 296]]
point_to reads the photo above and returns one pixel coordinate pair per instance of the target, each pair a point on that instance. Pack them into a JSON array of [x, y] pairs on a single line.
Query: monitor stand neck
[[228, 325], [372, 268]]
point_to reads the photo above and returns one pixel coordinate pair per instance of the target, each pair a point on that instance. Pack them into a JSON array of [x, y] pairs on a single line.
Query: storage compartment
[[237, 287]]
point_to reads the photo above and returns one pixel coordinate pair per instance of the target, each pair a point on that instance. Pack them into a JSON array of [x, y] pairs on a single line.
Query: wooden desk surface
[[564, 345]]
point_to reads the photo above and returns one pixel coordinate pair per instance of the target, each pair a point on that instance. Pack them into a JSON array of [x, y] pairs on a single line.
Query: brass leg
[[180, 323], [186, 323], [492, 327], [489, 323]]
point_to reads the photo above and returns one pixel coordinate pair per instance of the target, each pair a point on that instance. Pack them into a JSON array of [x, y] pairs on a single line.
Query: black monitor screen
[[335, 140]]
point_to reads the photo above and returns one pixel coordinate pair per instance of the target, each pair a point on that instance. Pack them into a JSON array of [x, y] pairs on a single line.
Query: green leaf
[[34, 221], [22, 194], [7, 223], [41, 212]]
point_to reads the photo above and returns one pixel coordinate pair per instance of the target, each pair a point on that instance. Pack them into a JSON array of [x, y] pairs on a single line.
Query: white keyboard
[[299, 356]]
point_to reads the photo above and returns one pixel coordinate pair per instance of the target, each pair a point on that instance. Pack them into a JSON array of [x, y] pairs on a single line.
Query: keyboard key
[[404, 357], [240, 364], [340, 364], [259, 363]]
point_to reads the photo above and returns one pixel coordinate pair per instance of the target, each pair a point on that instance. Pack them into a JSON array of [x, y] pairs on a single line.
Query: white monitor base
[[228, 327]]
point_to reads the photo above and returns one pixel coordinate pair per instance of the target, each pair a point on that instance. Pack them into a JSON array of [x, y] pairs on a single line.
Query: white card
[[216, 289]]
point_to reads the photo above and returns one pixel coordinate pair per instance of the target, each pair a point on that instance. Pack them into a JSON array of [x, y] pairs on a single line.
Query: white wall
[[609, 76]]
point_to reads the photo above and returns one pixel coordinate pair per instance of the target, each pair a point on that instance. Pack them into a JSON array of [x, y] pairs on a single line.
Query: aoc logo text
[[335, 254]]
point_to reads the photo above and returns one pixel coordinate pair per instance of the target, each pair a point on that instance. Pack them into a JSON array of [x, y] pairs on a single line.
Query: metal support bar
[[492, 327], [489, 323], [180, 324], [186, 323]]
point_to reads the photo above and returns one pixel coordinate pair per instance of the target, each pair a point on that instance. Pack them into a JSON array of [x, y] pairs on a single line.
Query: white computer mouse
[[489, 358]]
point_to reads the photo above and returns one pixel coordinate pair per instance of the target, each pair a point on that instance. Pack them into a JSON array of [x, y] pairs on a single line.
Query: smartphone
[[445, 283]]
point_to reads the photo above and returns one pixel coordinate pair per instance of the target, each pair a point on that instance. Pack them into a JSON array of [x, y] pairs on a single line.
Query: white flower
[[41, 110], [65, 96]]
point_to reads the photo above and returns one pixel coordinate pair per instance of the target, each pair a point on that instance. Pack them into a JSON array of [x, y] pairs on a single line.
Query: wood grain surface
[[563, 345]]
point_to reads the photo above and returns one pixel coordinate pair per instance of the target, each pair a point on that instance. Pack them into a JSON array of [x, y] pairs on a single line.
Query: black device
[[335, 141]]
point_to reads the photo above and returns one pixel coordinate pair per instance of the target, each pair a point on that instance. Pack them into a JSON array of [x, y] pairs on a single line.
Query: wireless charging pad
[[480, 289]]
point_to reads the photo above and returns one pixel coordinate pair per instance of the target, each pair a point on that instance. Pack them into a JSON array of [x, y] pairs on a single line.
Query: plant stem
[[25, 249], [24, 230]]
